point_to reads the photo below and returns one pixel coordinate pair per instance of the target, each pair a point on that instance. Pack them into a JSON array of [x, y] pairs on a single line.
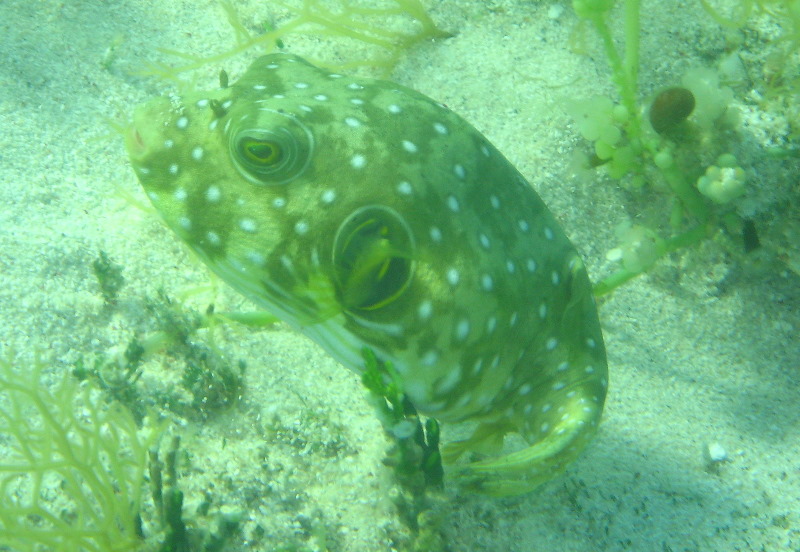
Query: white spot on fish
[[248, 225], [425, 310], [213, 194], [328, 196], [452, 203], [301, 227], [358, 161], [409, 146], [453, 276], [462, 329], [429, 358], [256, 258]]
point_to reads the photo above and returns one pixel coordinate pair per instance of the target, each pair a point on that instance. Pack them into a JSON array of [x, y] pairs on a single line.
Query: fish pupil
[[261, 151]]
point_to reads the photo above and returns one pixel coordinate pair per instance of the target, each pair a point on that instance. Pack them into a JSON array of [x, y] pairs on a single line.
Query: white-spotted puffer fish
[[366, 214]]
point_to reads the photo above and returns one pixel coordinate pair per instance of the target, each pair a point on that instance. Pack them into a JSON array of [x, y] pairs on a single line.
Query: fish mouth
[[135, 142], [145, 132]]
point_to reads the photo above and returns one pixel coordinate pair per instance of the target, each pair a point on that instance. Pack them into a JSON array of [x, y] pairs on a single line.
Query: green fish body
[[365, 214]]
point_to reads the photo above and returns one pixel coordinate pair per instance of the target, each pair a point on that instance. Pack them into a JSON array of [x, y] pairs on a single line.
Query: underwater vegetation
[[414, 457], [386, 29], [72, 471], [180, 338], [681, 140]]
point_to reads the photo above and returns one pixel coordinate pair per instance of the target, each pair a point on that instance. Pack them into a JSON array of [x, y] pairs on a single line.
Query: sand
[[703, 350]]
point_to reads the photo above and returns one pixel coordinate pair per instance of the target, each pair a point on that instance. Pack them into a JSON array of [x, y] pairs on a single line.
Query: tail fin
[[523, 470]]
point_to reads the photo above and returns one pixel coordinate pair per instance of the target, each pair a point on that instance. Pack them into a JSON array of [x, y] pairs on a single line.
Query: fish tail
[[556, 428], [524, 470]]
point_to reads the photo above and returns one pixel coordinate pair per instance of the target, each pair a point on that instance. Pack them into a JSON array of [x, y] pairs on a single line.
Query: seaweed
[[414, 457], [387, 29], [73, 473], [679, 142]]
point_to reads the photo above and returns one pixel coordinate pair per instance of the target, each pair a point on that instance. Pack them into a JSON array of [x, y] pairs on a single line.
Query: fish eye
[[257, 151], [372, 258], [273, 149]]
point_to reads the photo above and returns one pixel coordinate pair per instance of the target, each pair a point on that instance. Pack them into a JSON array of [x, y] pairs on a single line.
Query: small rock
[[714, 453], [555, 11]]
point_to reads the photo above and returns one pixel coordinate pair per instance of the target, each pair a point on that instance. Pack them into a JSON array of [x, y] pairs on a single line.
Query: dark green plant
[[168, 499], [414, 455], [211, 380], [109, 277]]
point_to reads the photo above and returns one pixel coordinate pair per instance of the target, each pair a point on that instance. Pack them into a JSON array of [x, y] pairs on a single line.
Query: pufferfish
[[365, 214]]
